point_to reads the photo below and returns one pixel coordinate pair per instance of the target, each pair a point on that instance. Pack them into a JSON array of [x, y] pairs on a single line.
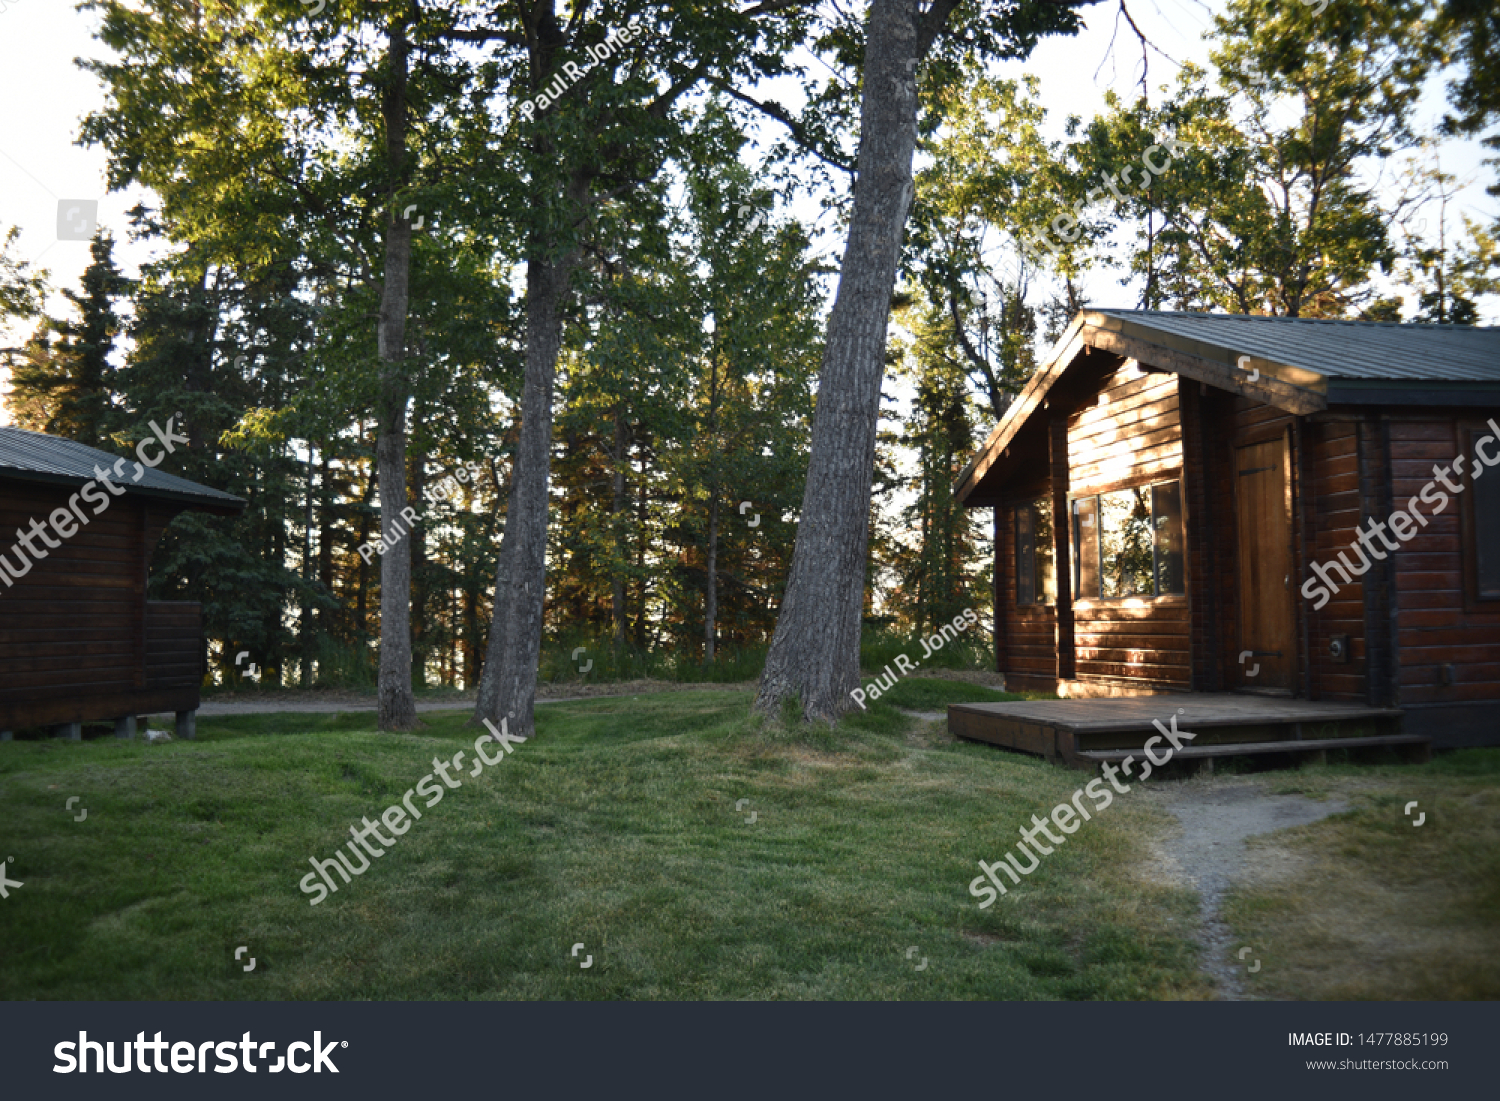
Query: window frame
[[1469, 433], [1148, 484], [1037, 589]]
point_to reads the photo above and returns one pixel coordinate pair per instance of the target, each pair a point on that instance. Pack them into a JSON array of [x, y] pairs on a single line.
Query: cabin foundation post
[[125, 727], [187, 724], [71, 731]]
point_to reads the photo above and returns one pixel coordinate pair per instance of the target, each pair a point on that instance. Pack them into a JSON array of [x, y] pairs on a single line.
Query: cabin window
[[1166, 512], [1036, 574], [1086, 547], [1483, 516], [1129, 543]]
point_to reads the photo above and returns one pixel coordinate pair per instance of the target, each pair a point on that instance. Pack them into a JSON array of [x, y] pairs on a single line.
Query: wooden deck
[[1084, 733]]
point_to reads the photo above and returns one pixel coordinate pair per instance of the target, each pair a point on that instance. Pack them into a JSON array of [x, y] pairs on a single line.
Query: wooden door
[[1265, 536]]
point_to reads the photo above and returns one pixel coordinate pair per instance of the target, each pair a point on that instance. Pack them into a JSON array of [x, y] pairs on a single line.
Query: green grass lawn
[[1367, 904], [615, 826]]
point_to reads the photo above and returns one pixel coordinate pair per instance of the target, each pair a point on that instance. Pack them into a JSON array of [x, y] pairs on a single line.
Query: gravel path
[[1215, 818]]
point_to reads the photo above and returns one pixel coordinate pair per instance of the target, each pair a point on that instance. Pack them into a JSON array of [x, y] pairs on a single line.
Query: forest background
[[1326, 163]]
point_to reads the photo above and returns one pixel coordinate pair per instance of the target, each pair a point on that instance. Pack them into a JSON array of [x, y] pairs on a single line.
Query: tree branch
[[779, 113]]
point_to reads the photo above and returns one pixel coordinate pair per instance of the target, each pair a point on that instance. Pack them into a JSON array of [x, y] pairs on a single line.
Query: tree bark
[[305, 624], [711, 588], [398, 709], [507, 688], [815, 651], [617, 517], [711, 599]]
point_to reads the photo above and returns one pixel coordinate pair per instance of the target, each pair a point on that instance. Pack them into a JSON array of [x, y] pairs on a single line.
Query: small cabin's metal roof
[[1295, 364], [34, 457], [1333, 349]]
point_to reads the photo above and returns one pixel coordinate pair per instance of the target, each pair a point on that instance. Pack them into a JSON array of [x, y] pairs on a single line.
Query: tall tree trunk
[[815, 650], [361, 613], [711, 591], [711, 599], [329, 619], [305, 624], [398, 709], [641, 515], [616, 513], [421, 596], [507, 688]]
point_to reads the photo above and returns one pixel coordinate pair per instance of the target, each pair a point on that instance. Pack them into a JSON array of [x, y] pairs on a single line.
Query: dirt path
[[1216, 816]]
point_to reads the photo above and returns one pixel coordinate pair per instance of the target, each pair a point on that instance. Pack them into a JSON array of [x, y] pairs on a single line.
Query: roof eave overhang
[[233, 506], [1292, 389]]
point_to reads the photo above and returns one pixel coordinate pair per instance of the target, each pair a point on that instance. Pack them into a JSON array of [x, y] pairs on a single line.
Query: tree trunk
[[711, 590], [507, 688], [711, 598], [641, 517], [305, 624], [815, 651], [421, 597], [361, 614], [617, 514], [329, 619], [398, 710]]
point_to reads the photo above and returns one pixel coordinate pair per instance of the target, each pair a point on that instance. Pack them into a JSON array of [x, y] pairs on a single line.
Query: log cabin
[[1284, 521], [79, 641]]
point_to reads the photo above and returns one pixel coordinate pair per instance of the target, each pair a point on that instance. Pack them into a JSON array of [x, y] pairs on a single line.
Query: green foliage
[[970, 650], [65, 386], [22, 290], [1473, 26]]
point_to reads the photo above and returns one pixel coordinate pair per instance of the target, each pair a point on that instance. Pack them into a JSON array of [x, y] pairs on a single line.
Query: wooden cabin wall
[[1029, 660], [75, 622], [77, 627], [1129, 433], [1437, 624], [1332, 513]]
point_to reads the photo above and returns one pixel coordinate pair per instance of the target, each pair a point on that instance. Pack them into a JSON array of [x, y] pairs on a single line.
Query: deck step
[[1235, 749]]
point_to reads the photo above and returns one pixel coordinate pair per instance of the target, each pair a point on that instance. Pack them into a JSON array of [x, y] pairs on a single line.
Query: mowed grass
[[1369, 905], [616, 826]]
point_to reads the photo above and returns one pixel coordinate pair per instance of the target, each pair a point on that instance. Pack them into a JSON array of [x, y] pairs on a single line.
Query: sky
[[44, 172]]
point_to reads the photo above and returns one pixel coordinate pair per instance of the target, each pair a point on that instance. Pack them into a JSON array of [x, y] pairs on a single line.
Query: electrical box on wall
[[1338, 647]]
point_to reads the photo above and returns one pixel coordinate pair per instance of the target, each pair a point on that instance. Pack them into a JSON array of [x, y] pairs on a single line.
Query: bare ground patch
[[1344, 897]]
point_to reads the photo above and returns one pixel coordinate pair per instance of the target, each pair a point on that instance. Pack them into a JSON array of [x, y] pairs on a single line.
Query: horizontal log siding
[[1134, 437], [77, 627], [1333, 458], [1135, 434], [68, 625], [1434, 628], [174, 644]]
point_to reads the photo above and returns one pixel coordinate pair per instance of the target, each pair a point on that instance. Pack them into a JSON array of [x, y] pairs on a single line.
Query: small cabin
[[1259, 506], [79, 641]]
